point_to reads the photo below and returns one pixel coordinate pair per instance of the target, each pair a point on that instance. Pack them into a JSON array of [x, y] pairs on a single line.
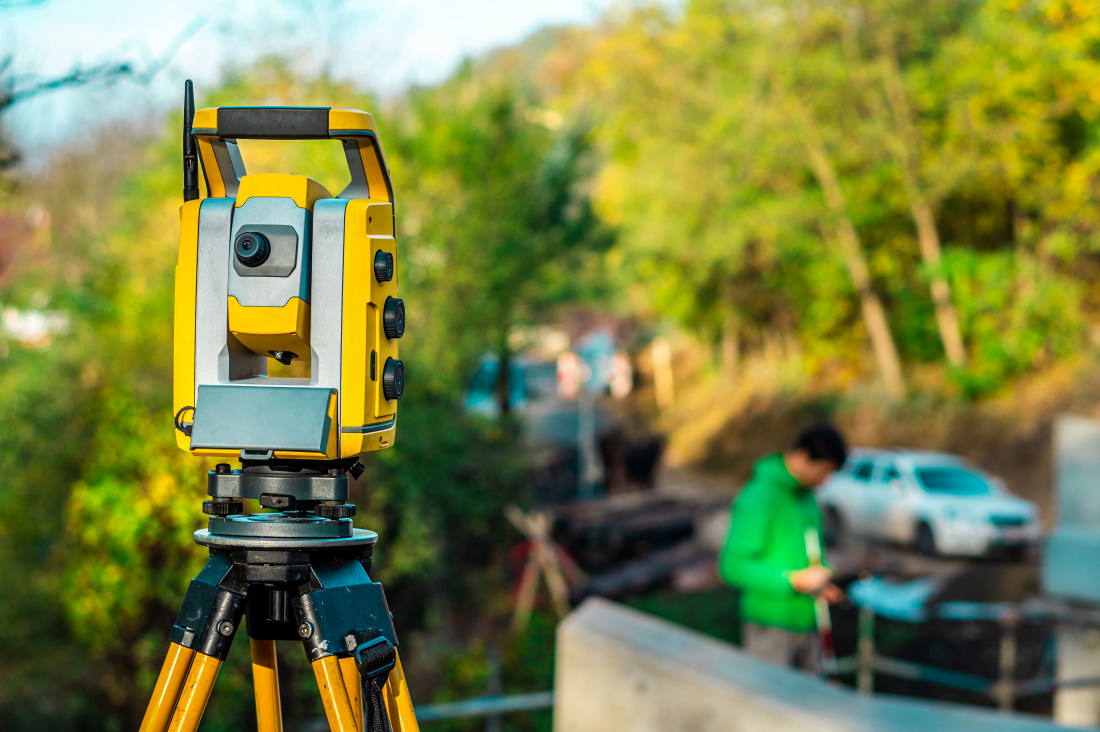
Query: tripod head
[[275, 268]]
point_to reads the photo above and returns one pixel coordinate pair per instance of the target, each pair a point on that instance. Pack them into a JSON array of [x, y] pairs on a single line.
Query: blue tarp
[[905, 602], [913, 601]]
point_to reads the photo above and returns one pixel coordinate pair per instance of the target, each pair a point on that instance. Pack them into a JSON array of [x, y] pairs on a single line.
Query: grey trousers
[[783, 647]]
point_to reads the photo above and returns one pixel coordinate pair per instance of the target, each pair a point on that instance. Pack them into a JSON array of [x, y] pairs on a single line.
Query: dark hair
[[823, 442]]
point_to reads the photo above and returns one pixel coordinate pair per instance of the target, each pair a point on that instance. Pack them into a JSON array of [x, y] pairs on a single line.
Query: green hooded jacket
[[766, 542]]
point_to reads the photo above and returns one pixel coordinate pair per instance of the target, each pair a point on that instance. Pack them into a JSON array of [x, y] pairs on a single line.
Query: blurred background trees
[[760, 160], [901, 194]]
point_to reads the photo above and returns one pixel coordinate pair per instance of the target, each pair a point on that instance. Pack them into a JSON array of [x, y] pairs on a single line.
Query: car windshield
[[953, 480]]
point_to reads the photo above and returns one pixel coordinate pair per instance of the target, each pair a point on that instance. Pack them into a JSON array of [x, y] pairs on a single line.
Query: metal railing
[[486, 706], [480, 706], [1004, 690]]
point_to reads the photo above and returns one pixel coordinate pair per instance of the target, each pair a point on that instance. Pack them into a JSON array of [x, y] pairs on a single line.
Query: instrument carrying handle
[[219, 129], [273, 123]]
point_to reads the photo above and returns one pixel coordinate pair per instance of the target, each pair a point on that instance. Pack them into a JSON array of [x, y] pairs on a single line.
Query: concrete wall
[[1078, 658], [1069, 567], [619, 670]]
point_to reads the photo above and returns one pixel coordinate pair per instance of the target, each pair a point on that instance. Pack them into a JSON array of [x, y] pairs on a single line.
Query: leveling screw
[[305, 630], [225, 627]]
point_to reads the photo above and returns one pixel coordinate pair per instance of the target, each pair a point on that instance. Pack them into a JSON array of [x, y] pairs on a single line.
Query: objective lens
[[252, 249]]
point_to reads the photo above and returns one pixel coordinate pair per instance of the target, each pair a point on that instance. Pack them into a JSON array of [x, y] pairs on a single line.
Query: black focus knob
[[251, 248], [222, 508], [393, 317], [335, 510], [383, 266], [393, 379]]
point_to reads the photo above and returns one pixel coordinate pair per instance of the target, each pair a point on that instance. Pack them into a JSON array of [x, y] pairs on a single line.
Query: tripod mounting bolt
[[226, 628], [335, 510], [305, 630]]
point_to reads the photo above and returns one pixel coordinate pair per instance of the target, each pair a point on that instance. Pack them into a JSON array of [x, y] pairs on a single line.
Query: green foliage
[[714, 612], [1022, 315], [983, 110], [526, 663], [438, 500], [502, 226]]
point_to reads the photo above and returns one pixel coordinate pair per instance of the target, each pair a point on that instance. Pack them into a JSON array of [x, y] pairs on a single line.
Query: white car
[[938, 503]]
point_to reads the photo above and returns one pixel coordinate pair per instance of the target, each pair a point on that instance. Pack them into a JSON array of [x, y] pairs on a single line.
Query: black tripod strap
[[375, 657], [375, 718]]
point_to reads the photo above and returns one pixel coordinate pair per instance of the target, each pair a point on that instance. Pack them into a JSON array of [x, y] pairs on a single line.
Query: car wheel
[[831, 526], [926, 540], [1017, 553]]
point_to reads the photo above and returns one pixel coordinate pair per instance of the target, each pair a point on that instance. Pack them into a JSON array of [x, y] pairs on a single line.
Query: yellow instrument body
[[317, 298]]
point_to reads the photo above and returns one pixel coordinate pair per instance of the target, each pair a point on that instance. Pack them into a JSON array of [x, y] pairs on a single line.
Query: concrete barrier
[[620, 670]]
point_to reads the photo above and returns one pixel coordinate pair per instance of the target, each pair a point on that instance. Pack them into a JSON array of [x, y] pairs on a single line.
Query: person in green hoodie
[[765, 554]]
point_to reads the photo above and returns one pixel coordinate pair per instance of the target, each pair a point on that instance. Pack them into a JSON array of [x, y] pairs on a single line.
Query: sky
[[384, 45]]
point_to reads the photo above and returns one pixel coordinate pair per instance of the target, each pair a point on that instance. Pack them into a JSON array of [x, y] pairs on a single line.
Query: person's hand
[[811, 580], [831, 593]]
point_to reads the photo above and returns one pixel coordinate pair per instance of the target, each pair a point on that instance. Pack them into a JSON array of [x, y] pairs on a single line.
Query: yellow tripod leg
[[265, 684], [334, 695], [399, 705], [352, 683], [167, 690], [196, 692]]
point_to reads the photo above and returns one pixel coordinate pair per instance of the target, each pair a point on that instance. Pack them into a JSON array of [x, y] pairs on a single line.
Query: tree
[[500, 221], [18, 88], [905, 146], [709, 143], [874, 315]]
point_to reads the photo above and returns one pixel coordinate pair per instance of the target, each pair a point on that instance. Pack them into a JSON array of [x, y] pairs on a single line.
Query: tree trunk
[[663, 377], [905, 146], [874, 314], [946, 317]]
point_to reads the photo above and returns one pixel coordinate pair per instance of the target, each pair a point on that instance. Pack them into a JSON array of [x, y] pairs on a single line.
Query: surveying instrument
[[274, 268]]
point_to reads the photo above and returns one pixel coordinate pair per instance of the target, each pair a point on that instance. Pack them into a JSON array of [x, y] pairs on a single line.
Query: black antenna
[[190, 155]]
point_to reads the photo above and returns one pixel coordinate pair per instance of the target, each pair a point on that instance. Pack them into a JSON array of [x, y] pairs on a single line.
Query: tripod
[[300, 573]]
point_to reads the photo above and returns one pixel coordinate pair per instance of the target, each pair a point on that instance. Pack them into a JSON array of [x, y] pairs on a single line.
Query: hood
[[994, 504], [773, 469]]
